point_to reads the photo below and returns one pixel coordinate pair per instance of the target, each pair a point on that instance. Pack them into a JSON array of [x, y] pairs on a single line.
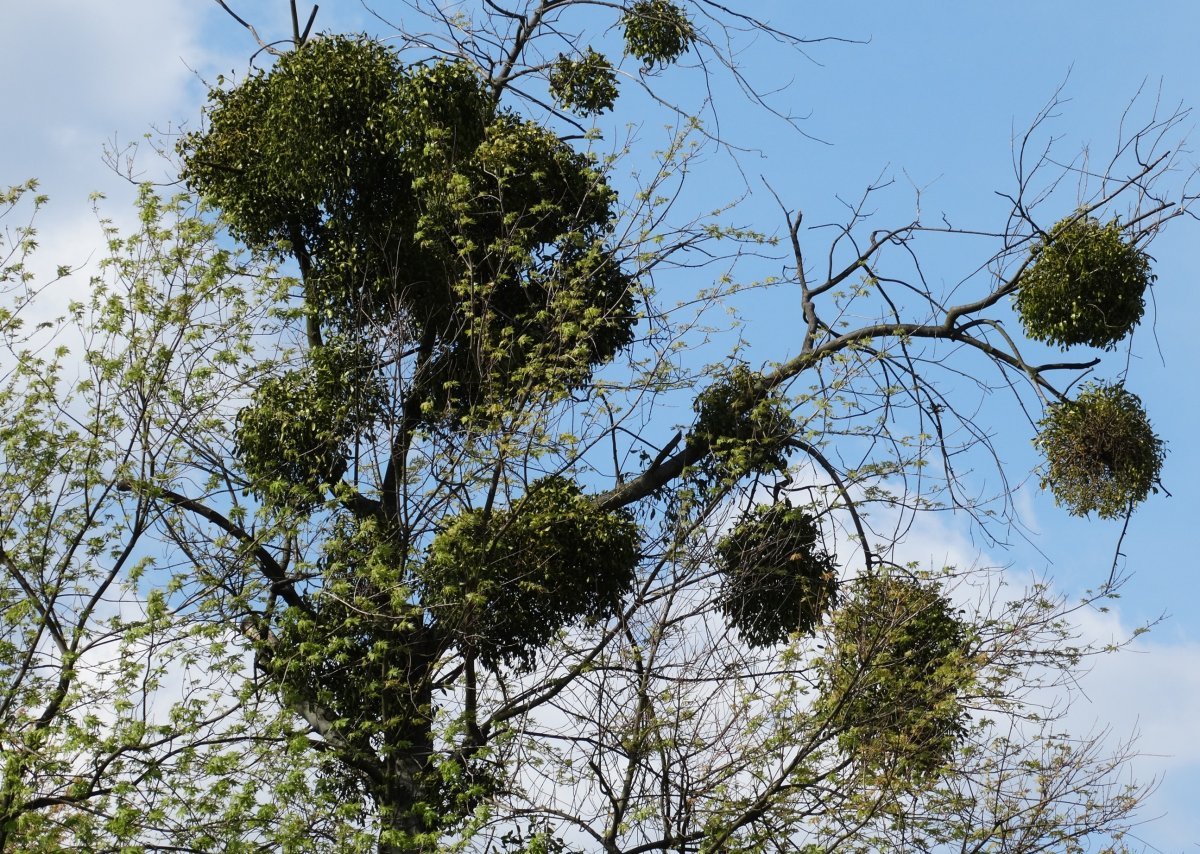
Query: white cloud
[[1153, 688], [80, 76], [78, 73], [1150, 690]]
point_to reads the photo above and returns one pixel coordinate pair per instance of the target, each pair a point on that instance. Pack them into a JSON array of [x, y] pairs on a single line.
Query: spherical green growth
[[746, 430], [657, 31], [505, 583], [284, 147], [1102, 455], [293, 438], [1085, 285], [547, 301], [893, 681], [777, 579], [407, 195], [586, 84]]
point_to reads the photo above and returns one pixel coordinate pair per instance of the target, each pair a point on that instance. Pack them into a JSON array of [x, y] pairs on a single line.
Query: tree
[[124, 707], [403, 437]]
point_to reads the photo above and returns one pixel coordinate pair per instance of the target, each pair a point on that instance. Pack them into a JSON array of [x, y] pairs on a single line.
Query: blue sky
[[931, 97]]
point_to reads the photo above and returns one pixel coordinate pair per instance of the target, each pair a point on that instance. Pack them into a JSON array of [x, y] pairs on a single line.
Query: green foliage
[[293, 437], [894, 677], [304, 151], [348, 653], [657, 31], [123, 714], [1085, 285], [462, 266], [505, 583], [407, 195], [541, 840], [539, 298], [586, 84], [746, 431], [354, 653], [777, 580], [1101, 452]]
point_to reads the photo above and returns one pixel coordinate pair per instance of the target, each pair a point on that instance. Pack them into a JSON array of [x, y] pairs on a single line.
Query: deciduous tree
[[408, 441]]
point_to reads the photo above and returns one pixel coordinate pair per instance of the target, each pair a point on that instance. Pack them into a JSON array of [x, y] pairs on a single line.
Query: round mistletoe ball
[[1086, 284], [1101, 452], [777, 579]]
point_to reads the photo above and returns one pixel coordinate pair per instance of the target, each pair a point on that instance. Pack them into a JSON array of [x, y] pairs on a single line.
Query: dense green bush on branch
[[777, 579], [657, 31], [293, 437], [1085, 285], [504, 583], [894, 679], [347, 652], [746, 430], [586, 83], [1102, 456]]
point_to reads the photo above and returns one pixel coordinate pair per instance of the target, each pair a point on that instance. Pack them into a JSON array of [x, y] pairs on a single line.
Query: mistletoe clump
[[409, 196], [293, 438], [1101, 452], [777, 580], [746, 430], [1085, 285], [893, 682], [348, 651], [587, 84], [504, 583], [657, 31]]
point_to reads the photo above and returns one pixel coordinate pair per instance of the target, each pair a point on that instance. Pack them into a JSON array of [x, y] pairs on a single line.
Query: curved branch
[[877, 242], [272, 570], [269, 47], [814, 452], [654, 478]]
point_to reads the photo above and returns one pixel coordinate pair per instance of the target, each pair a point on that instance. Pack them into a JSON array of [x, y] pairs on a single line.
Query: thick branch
[[300, 250], [301, 36], [656, 477]]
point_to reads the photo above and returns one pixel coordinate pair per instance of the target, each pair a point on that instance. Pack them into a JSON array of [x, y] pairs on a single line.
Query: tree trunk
[[407, 796]]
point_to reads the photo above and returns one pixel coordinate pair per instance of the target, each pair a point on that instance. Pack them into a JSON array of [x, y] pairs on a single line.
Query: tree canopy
[[379, 496]]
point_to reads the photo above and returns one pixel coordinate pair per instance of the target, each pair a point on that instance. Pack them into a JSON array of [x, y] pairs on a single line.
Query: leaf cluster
[[350, 652], [657, 31], [504, 583], [1085, 285], [1101, 451], [777, 581], [293, 437], [586, 84], [409, 197], [893, 681], [745, 430]]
